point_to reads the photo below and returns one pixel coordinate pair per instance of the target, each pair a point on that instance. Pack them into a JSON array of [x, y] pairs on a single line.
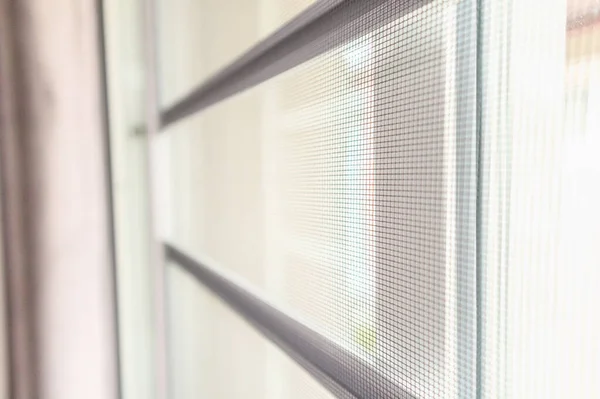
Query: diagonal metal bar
[[314, 32], [344, 373]]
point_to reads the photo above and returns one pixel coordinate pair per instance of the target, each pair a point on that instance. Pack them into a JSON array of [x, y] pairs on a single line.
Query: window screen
[[198, 38], [380, 199], [216, 353]]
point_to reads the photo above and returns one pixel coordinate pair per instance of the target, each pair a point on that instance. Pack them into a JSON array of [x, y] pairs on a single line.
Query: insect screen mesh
[[412, 193]]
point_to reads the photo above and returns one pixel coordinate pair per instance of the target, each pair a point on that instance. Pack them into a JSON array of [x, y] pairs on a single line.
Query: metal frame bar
[[335, 366], [294, 44], [109, 185], [467, 212], [156, 250]]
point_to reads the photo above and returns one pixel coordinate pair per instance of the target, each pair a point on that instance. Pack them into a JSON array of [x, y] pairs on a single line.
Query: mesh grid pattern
[[422, 195], [210, 342], [188, 31], [332, 188]]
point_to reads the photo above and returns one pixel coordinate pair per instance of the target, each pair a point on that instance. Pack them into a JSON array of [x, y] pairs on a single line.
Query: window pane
[[216, 354], [332, 189], [196, 38]]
